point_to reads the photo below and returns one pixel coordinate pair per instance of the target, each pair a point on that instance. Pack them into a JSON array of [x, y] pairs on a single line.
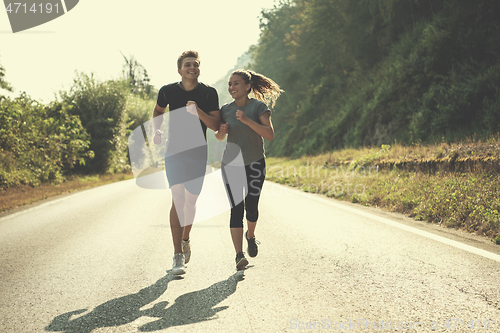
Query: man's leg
[[189, 213], [177, 216]]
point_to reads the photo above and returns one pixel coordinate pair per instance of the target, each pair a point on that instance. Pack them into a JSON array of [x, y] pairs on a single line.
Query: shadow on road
[[189, 308]]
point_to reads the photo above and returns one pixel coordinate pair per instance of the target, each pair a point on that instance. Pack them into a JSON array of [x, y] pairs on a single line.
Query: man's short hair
[[187, 54]]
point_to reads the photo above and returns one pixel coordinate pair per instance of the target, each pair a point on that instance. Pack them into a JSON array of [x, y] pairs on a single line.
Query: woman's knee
[[252, 215], [236, 217]]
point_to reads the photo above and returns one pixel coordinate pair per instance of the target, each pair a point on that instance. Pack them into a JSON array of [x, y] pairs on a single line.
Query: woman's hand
[[241, 116]]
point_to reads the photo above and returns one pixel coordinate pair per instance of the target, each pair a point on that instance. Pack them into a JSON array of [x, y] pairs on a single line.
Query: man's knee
[[191, 199]]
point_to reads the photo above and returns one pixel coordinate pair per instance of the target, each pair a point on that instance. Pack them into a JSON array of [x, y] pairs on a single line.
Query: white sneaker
[[178, 267], [186, 249]]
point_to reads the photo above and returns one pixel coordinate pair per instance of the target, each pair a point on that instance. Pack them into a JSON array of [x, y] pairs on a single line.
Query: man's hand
[[192, 108], [157, 137], [224, 128]]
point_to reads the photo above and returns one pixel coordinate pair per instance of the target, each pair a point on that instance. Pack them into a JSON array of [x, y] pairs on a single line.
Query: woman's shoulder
[[227, 105], [259, 105]]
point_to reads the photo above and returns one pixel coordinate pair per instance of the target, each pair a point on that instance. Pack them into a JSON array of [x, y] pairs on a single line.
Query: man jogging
[[185, 157]]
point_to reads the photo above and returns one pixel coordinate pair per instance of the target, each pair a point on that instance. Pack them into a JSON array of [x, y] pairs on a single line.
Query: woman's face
[[237, 87]]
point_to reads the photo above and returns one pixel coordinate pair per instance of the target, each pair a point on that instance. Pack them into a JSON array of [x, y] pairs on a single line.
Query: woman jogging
[[246, 121]]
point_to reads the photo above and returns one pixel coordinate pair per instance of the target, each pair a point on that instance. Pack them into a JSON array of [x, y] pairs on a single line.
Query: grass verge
[[435, 187], [14, 197]]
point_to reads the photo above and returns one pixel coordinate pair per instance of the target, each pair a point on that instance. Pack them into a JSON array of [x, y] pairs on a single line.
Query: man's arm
[[222, 132], [157, 121], [211, 119]]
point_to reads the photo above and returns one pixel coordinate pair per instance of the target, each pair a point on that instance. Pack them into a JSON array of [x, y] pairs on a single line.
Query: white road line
[[27, 210], [444, 240]]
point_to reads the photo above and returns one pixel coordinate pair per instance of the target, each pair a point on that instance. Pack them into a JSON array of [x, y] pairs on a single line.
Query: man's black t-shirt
[[176, 97]]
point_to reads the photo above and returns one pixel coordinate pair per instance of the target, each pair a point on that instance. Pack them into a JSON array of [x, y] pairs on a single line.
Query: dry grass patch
[[23, 195], [454, 185]]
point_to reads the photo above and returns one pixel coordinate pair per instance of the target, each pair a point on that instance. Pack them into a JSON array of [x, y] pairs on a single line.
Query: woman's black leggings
[[255, 172]]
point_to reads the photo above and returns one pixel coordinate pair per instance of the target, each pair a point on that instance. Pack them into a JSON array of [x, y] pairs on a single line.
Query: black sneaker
[[241, 261], [252, 246]]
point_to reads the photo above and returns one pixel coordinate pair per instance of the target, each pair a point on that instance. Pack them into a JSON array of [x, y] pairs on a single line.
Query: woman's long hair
[[263, 88]]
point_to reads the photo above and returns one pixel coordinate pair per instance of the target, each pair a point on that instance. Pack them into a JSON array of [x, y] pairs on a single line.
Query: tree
[[4, 84], [367, 72], [101, 108], [137, 77]]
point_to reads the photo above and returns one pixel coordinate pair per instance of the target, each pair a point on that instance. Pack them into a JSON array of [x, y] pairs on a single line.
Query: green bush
[[101, 107], [138, 110], [39, 143]]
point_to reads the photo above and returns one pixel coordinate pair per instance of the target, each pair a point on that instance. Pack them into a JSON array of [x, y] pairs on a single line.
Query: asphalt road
[[96, 261]]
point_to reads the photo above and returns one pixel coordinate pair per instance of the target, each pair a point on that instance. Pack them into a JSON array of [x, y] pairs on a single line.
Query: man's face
[[190, 69]]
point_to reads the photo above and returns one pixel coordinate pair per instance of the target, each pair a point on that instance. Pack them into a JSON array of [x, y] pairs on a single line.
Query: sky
[[92, 37]]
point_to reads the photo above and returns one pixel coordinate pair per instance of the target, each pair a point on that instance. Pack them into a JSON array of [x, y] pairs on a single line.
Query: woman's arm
[[264, 129]]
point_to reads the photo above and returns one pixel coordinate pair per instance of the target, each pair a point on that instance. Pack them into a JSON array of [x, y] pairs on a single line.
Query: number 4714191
[[22, 8]]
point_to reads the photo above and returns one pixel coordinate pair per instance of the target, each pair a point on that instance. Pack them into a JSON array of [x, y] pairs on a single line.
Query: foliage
[[101, 109], [39, 144], [4, 84], [221, 84], [138, 111], [369, 72], [456, 199], [138, 79], [86, 132]]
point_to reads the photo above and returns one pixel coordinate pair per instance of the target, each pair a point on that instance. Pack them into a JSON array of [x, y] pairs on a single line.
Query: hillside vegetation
[[389, 103], [371, 72], [222, 84], [83, 132]]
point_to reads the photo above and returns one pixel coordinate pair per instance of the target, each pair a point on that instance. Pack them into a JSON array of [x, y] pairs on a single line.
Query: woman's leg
[[236, 218], [237, 236], [251, 229], [236, 228], [256, 173], [237, 210]]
